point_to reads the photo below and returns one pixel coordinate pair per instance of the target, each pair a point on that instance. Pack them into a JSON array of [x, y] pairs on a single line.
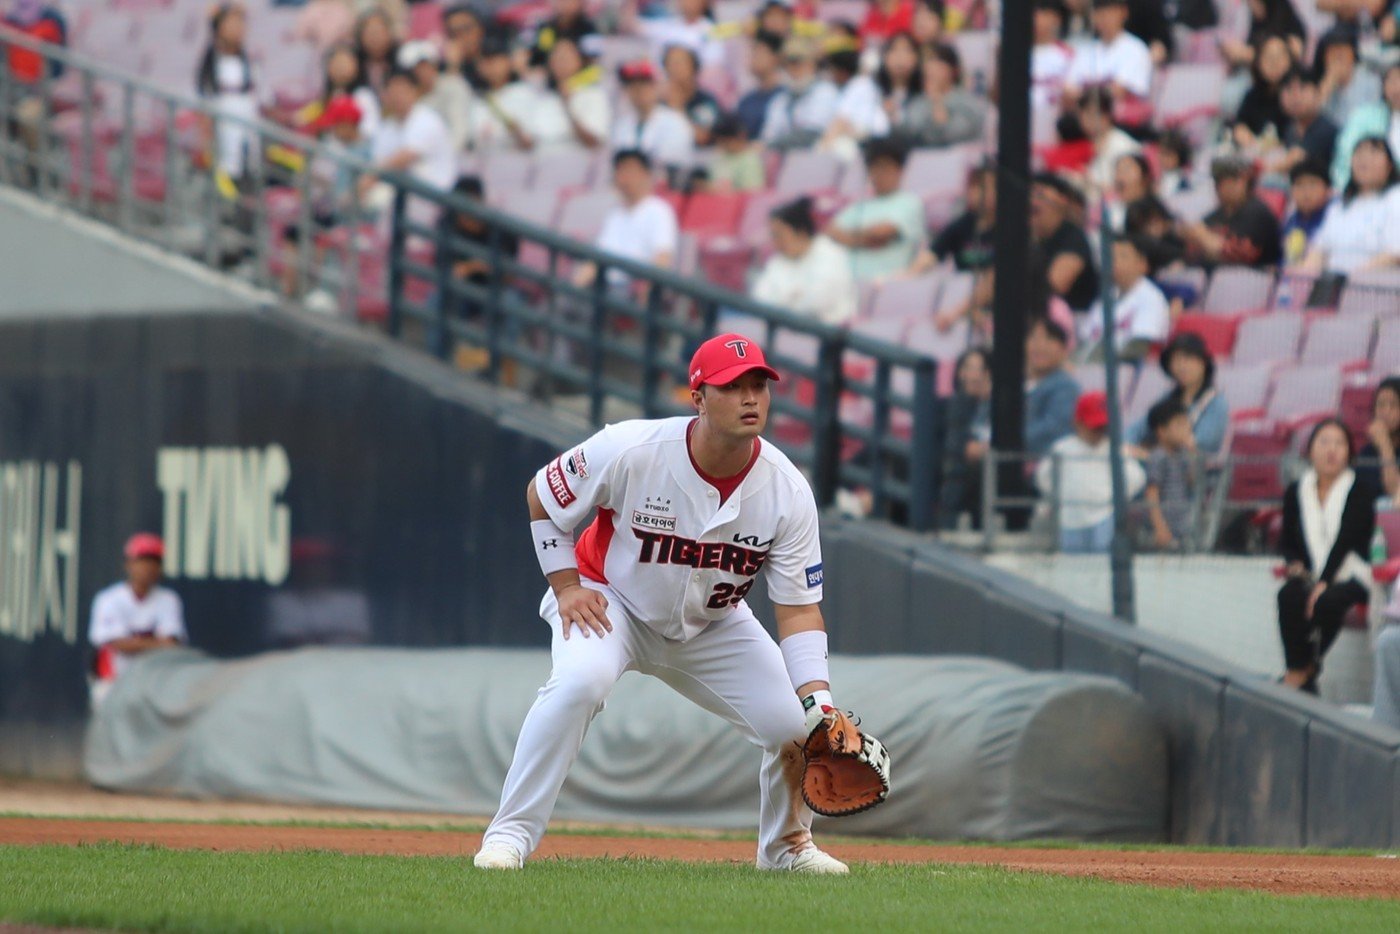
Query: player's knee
[[584, 687], [780, 732]]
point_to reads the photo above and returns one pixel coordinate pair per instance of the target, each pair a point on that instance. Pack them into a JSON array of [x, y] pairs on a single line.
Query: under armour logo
[[549, 543], [739, 347]]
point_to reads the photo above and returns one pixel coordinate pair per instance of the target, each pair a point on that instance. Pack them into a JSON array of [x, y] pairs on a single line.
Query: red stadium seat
[[1217, 331], [711, 214]]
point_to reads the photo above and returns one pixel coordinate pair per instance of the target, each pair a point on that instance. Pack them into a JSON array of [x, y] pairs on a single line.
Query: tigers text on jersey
[[661, 538]]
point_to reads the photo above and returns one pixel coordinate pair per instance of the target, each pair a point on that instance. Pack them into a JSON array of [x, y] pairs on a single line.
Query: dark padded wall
[[418, 497]]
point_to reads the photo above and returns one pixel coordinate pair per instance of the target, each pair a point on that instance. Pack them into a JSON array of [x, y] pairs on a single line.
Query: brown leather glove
[[846, 771]]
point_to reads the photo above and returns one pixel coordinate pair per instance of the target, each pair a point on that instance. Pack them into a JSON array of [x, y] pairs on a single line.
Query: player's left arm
[[793, 620], [794, 575]]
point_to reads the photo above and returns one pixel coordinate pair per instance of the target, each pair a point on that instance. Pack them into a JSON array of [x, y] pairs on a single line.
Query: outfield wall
[[283, 455]]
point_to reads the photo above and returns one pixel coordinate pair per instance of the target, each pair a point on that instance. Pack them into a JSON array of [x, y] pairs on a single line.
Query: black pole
[[1012, 243], [1121, 551]]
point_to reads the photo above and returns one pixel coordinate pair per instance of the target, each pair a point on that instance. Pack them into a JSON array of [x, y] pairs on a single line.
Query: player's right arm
[[578, 605], [565, 493]]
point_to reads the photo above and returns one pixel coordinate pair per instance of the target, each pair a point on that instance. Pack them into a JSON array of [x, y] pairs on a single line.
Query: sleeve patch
[[559, 486], [814, 576], [577, 464]]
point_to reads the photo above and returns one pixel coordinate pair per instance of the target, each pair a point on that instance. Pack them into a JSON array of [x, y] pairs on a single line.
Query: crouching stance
[[681, 516]]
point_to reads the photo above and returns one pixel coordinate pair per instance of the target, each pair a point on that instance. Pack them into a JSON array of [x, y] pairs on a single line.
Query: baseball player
[[681, 516], [133, 616]]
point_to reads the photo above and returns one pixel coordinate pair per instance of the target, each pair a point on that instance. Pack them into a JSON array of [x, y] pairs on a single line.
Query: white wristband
[[554, 548], [804, 653]]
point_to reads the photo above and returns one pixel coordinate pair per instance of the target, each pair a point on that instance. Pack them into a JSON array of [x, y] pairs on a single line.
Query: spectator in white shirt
[[799, 114], [1116, 58], [643, 228], [859, 111], [1110, 143], [574, 114], [1141, 314], [1077, 480], [690, 25], [649, 125], [411, 137], [808, 273], [1361, 230], [1050, 56], [446, 93], [503, 107], [135, 616]]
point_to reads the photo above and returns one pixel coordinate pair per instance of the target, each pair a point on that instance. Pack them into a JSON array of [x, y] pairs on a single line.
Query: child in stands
[[1076, 478], [1171, 475]]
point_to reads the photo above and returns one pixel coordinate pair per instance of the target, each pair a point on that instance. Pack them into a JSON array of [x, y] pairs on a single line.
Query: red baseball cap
[[640, 69], [144, 545], [341, 109], [1091, 410], [725, 358]]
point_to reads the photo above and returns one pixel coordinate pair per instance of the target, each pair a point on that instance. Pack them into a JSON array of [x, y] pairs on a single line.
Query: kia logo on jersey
[[751, 540], [739, 347]]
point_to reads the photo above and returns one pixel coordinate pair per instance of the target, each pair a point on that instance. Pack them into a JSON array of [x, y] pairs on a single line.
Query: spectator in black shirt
[[465, 33], [1242, 231], [684, 94], [570, 21], [1261, 113], [766, 67], [968, 240], [1060, 250], [1309, 134], [472, 266]]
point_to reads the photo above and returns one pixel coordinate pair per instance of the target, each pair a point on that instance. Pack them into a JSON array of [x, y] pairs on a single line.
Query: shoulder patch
[[558, 485], [814, 576], [577, 464]]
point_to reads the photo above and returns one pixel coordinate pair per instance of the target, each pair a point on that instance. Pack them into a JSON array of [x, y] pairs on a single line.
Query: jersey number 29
[[728, 595]]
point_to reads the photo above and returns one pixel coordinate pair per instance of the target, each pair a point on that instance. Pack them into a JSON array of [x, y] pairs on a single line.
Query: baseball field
[[256, 868]]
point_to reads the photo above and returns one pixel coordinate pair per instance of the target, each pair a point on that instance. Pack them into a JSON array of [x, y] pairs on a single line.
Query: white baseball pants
[[733, 669]]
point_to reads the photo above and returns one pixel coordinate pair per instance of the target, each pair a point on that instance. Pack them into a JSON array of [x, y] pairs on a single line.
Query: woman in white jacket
[[808, 274]]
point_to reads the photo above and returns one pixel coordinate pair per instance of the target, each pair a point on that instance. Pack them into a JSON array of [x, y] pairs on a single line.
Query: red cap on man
[[341, 109], [725, 358], [1091, 410], [144, 545]]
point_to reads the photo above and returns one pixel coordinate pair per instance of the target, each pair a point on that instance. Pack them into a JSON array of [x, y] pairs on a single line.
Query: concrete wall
[[52, 262], [1222, 604]]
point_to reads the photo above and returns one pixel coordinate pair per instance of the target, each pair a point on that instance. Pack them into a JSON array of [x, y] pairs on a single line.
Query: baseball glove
[[846, 771]]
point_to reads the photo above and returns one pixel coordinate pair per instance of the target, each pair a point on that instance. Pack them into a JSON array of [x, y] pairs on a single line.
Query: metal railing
[[146, 160], [850, 410]]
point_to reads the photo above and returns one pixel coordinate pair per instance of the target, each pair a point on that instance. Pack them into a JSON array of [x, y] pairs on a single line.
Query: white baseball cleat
[[498, 856], [815, 861]]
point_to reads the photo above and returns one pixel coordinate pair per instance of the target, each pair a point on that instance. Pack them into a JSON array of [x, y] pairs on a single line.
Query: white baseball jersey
[[118, 614], [662, 540]]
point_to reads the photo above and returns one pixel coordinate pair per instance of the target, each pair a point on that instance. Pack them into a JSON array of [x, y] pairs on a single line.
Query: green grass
[[824, 834], [153, 889]]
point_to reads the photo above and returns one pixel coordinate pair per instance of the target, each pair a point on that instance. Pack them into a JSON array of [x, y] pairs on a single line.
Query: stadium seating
[[1277, 362]]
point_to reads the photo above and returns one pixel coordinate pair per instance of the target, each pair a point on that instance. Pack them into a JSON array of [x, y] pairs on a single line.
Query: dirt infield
[[1348, 876]]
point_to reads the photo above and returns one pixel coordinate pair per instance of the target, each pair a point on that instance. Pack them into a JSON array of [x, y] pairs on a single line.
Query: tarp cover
[[981, 748]]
